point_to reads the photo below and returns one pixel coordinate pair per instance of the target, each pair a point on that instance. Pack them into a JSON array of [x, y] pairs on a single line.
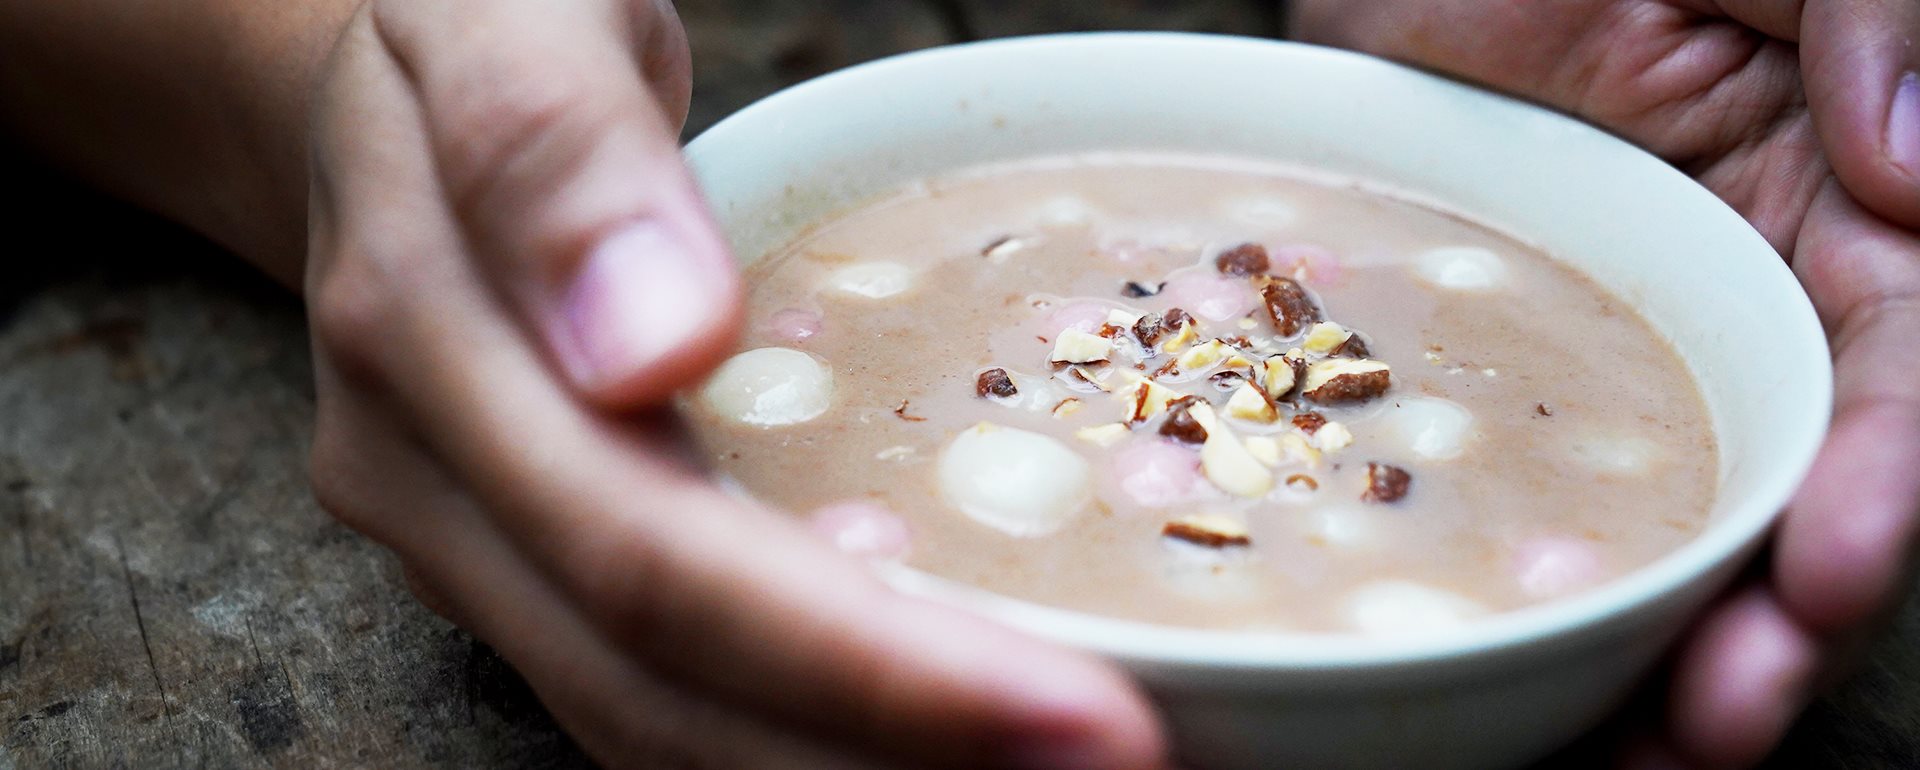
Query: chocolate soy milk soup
[[1209, 393]]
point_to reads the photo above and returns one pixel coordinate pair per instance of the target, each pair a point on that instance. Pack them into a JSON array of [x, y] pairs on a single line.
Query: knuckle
[[353, 311], [512, 132]]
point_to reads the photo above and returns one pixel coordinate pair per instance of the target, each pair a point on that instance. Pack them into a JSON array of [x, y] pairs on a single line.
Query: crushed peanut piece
[[1354, 347], [1325, 337], [1346, 381], [901, 412], [1249, 404], [1181, 332], [1204, 355], [1289, 305], [1299, 450], [1386, 483], [1333, 437], [1243, 261], [995, 383], [1181, 425], [1105, 435], [1226, 462], [1002, 249], [1065, 408], [1145, 399], [1077, 347], [1308, 422], [1281, 374], [1211, 531]]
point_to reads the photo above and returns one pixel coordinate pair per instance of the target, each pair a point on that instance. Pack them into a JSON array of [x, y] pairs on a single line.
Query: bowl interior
[[1633, 223]]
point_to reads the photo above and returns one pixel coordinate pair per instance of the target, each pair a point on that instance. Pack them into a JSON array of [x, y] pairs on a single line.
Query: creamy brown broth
[[1588, 454]]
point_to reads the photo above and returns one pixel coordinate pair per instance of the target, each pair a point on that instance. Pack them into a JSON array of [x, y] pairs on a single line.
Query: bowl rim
[[1732, 536]]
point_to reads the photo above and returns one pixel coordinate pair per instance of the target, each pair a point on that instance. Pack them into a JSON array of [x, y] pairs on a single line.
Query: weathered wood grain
[[171, 597]]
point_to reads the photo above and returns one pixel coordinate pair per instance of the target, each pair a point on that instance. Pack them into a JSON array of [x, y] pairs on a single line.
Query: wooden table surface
[[170, 596]]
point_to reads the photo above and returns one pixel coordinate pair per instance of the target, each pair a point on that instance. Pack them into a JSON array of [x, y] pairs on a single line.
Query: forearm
[[195, 109]]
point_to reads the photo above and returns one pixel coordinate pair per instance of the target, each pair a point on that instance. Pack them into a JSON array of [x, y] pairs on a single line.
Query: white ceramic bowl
[[1500, 692]]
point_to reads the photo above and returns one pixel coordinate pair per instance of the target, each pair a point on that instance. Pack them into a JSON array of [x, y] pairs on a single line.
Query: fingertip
[[1864, 93], [1036, 705], [1092, 718], [1844, 545], [1741, 682], [650, 310]]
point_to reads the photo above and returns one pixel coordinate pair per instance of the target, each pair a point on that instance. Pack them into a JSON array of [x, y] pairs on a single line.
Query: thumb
[[1862, 74], [563, 169]]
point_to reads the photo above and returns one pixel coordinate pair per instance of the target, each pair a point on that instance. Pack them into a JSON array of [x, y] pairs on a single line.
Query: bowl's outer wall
[[1637, 226]]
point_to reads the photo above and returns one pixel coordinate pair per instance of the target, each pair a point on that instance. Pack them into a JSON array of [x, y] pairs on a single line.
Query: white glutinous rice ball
[[1619, 456], [770, 387], [1465, 268], [1262, 211], [1021, 483], [1403, 607], [1433, 428], [872, 280]]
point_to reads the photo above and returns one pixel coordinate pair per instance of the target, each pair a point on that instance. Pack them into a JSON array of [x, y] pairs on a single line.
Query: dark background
[[171, 597]]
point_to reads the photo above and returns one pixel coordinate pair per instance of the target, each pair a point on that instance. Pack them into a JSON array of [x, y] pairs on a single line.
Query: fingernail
[[640, 295], [1903, 125]]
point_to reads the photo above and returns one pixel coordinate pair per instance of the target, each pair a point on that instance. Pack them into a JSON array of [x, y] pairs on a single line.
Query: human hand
[[510, 271], [1804, 115]]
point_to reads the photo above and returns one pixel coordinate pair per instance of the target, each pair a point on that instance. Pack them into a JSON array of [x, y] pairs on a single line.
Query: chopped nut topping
[[1148, 330], [1122, 318], [1077, 347], [1301, 482], [1181, 333], [1326, 337], [1067, 406], [901, 412], [1297, 449], [1003, 248], [1248, 403], [1228, 463], [1137, 290], [1146, 399], [1354, 347], [1309, 422], [1543, 410], [1203, 356], [1109, 331], [1346, 381], [1208, 531], [1333, 437], [1265, 449], [1227, 381], [1181, 425], [1386, 483], [1289, 306], [1080, 375], [1103, 435], [1281, 374], [1175, 318], [1245, 260], [994, 383]]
